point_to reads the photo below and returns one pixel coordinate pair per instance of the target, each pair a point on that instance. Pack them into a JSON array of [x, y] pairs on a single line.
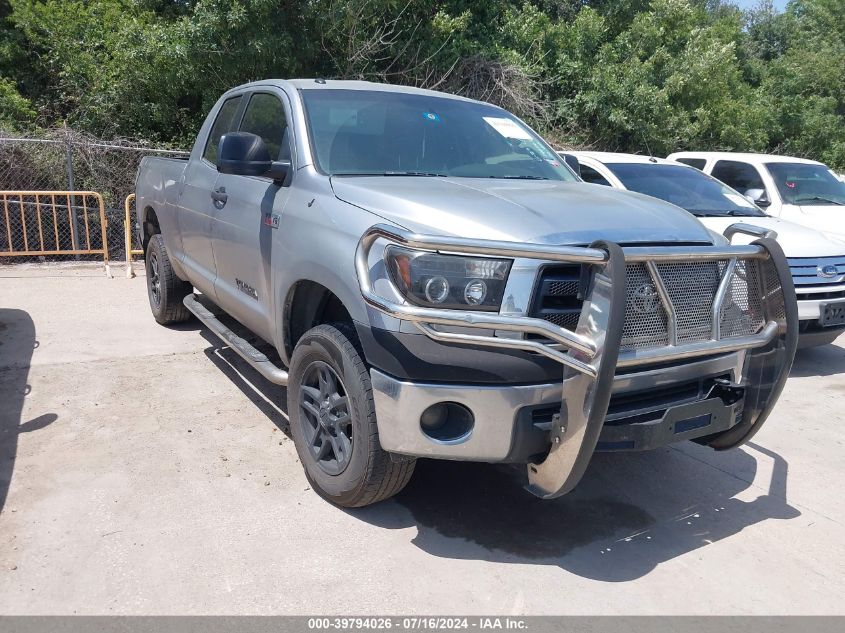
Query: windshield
[[357, 132], [685, 187], [801, 183]]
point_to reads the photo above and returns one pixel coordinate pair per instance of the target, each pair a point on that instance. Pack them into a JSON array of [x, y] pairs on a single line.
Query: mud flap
[[767, 368], [585, 399]]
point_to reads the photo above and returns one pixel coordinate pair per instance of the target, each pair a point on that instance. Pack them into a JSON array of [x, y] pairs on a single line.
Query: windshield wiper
[[723, 214], [521, 177], [414, 173], [822, 199], [392, 173]]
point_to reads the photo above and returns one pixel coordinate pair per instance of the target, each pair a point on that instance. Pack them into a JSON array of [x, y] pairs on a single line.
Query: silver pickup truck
[[435, 282]]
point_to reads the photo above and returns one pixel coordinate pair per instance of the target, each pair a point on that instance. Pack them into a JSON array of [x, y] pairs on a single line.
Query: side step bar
[[244, 348]]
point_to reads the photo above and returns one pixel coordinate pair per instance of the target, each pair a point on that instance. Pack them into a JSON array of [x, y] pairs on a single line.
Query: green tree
[[633, 75]]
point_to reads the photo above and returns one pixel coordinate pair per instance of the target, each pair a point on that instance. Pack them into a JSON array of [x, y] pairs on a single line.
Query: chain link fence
[[66, 160]]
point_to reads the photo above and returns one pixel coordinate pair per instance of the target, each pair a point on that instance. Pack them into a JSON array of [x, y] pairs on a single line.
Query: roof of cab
[[748, 157], [618, 157], [343, 84]]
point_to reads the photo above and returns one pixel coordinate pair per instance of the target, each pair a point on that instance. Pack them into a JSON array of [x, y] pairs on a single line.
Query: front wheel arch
[[309, 304]]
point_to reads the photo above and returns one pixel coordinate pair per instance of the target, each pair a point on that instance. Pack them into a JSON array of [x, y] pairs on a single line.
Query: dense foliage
[[634, 75]]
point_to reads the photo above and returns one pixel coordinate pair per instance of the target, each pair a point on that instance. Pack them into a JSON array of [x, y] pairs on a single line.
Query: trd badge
[[271, 220]]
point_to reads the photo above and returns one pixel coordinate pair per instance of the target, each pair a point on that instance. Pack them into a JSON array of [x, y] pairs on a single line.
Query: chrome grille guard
[[592, 351]]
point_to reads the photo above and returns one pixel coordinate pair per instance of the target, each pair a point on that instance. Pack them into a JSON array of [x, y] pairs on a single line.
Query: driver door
[[246, 218]]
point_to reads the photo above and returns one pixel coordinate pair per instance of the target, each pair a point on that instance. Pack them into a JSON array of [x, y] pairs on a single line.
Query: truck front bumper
[[647, 409], [590, 355], [814, 331]]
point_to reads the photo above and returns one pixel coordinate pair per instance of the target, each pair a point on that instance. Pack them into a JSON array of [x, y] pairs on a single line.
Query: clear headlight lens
[[448, 281]]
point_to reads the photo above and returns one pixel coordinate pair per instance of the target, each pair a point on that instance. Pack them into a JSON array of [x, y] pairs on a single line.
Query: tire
[[164, 289], [351, 473]]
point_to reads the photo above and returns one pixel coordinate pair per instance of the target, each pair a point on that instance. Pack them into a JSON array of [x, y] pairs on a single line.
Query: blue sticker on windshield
[[431, 116]]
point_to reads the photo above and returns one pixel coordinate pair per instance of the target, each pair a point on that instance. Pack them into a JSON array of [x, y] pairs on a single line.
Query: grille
[[559, 297], [742, 312], [645, 316], [568, 321], [820, 296], [772, 291], [562, 288], [815, 273], [691, 287]]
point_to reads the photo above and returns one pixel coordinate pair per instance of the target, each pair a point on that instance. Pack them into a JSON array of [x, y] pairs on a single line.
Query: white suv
[[817, 261]]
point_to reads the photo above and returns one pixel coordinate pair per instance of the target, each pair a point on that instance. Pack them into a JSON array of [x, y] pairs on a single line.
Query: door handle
[[219, 196]]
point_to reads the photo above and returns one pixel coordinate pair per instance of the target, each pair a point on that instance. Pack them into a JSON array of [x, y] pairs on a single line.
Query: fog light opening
[[446, 421]]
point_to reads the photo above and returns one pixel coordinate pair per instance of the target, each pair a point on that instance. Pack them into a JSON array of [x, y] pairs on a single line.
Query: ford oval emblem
[[827, 271]]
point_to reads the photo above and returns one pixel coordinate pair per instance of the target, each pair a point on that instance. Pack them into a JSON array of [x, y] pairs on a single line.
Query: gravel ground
[[144, 470]]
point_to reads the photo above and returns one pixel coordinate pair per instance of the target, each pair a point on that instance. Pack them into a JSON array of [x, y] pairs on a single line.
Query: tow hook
[[728, 390]]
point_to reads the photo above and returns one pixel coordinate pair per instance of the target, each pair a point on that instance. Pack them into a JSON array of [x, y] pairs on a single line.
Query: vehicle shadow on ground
[[17, 343], [270, 399], [825, 360], [631, 512]]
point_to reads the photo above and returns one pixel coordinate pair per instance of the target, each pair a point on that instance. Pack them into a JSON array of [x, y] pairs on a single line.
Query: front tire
[[333, 421], [164, 289]]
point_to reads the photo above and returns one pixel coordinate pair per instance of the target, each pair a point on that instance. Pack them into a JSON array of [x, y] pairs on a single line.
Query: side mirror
[[573, 163], [758, 197], [245, 154]]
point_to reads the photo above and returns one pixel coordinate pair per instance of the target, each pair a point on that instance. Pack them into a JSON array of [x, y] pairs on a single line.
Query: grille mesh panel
[[568, 320], [692, 287], [645, 317], [773, 291], [754, 293], [562, 288], [742, 312]]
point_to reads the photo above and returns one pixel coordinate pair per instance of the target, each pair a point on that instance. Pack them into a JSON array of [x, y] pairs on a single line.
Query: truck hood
[[542, 212], [825, 218], [794, 239]]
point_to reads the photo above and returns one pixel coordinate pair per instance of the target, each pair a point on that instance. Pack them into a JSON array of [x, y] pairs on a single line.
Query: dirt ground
[[144, 470]]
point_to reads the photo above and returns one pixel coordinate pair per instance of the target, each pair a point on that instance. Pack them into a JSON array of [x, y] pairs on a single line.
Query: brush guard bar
[[591, 353]]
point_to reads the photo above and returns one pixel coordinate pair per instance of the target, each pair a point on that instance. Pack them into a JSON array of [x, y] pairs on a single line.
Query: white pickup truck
[[817, 261], [803, 191]]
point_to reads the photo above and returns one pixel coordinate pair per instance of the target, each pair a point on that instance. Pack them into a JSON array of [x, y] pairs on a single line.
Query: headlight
[[448, 281]]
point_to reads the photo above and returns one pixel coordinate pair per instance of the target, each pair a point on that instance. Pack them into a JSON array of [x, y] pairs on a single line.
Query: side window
[[223, 123], [588, 174], [740, 176], [265, 117], [698, 163]]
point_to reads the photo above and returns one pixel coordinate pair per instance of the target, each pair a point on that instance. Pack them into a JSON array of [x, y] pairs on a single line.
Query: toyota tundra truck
[[427, 278]]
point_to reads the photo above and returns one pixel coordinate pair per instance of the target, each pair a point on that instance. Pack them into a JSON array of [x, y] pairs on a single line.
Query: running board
[[244, 348]]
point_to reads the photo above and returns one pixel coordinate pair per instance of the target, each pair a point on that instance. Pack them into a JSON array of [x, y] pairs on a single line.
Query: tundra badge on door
[[246, 288]]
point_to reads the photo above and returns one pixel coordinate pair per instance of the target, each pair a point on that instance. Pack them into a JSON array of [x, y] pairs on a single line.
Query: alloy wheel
[[325, 419]]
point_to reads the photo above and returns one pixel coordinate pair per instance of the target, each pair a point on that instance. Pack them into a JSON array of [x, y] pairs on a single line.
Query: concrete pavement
[[144, 470]]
